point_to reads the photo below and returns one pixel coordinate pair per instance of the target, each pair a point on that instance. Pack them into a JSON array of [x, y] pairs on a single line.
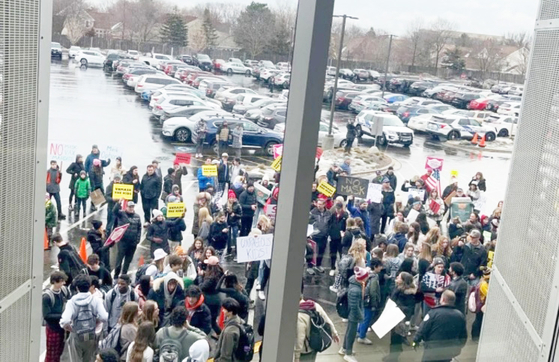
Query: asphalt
[[89, 106]]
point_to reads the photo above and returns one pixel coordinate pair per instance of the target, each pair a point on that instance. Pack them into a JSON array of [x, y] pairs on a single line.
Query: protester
[[229, 338], [201, 130], [142, 288], [150, 313], [404, 297], [74, 170], [150, 189], [96, 237], [233, 211], [222, 137], [180, 171], [208, 283], [199, 314], [139, 350], [131, 237], [128, 327], [248, 203], [219, 234], [132, 178], [168, 293], [223, 171], [307, 307], [69, 260], [94, 268], [237, 142], [357, 284], [336, 230], [54, 176], [50, 218], [117, 168], [474, 258], [350, 135], [158, 231], [202, 201], [372, 301], [53, 301], [204, 181], [458, 285], [117, 297]]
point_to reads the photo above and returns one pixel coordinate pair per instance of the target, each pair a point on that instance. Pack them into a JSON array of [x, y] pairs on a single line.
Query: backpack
[[112, 340], [84, 322], [320, 338], [170, 349], [76, 265], [131, 292], [65, 294], [245, 347], [342, 304], [141, 272], [474, 300]]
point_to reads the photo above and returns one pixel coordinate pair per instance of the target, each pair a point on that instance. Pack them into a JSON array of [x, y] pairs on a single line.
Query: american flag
[[433, 182]]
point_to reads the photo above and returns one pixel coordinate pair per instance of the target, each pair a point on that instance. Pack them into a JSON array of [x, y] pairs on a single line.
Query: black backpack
[[320, 338], [342, 304], [141, 272], [77, 266], [245, 348]]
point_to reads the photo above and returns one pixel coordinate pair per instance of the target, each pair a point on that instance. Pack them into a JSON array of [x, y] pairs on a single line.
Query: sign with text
[[413, 192], [352, 186], [209, 170], [116, 235], [182, 158], [374, 193], [262, 193], [253, 248], [278, 151], [276, 165], [454, 173], [175, 209], [270, 210], [123, 191], [326, 189], [66, 152]]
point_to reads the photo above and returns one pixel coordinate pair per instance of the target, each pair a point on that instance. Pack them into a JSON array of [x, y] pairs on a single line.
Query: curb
[[392, 162], [464, 148]]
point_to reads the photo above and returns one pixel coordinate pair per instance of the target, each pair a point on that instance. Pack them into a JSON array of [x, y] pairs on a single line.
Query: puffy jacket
[[175, 229], [96, 180], [95, 239], [201, 318], [204, 181], [223, 174], [217, 238], [157, 294], [398, 239], [129, 178], [475, 256], [320, 221], [168, 184], [388, 200], [82, 188], [247, 199], [150, 187], [234, 217], [355, 300], [373, 295], [405, 300], [50, 214], [134, 231], [53, 180], [92, 156], [363, 214], [375, 213]]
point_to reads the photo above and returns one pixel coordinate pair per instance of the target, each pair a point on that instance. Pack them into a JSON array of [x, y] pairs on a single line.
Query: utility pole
[[387, 63], [329, 140]]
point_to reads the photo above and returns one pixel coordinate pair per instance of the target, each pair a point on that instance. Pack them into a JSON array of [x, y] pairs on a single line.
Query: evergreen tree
[[174, 31], [210, 32]]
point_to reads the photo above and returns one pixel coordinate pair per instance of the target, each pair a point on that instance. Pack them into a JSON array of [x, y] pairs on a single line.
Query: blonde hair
[[433, 235], [357, 249], [204, 215], [426, 252], [129, 313], [350, 222], [264, 223]]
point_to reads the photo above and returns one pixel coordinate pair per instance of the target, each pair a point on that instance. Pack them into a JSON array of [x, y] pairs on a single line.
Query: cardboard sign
[[175, 209], [270, 210], [97, 197], [434, 163], [209, 170], [66, 152], [352, 186], [182, 158], [374, 193], [412, 215], [391, 316], [116, 235], [123, 191], [253, 248], [448, 199], [326, 189], [262, 193], [276, 165]]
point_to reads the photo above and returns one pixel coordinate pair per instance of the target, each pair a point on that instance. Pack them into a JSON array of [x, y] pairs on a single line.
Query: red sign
[[182, 158], [116, 235], [434, 163], [278, 151], [319, 152]]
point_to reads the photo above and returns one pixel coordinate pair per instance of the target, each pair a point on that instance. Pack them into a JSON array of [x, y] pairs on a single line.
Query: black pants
[[335, 248], [349, 144], [58, 202], [125, 252], [252, 274], [110, 218], [476, 326], [246, 225], [383, 221], [265, 277], [72, 196], [80, 203], [321, 243], [148, 205]]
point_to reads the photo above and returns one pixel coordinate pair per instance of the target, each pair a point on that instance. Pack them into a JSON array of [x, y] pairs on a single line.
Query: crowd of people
[[184, 305]]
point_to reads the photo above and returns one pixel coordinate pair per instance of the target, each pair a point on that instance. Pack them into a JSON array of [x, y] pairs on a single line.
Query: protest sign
[[182, 158], [413, 192], [352, 186], [123, 191], [434, 163], [374, 193], [390, 317], [175, 209], [209, 170], [253, 248], [62, 152], [412, 215], [454, 173], [276, 165], [270, 210], [97, 197], [116, 235], [326, 189], [278, 150], [262, 193]]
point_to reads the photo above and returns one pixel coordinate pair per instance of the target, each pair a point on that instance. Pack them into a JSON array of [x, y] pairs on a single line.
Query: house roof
[[102, 20]]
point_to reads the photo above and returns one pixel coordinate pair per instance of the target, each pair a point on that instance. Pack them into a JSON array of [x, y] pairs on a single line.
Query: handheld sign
[[454, 173], [278, 150], [123, 191], [326, 189], [253, 248], [116, 235], [175, 209], [182, 158], [209, 170], [352, 186], [374, 193], [276, 165]]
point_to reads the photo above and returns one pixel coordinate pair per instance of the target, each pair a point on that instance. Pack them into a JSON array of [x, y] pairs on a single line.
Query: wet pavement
[[89, 106]]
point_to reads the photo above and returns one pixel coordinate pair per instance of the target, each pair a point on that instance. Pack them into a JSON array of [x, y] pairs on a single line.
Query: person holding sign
[[435, 207], [130, 239], [54, 176], [223, 172], [74, 170], [158, 232], [248, 202], [132, 178], [320, 219], [361, 212], [388, 200], [111, 202]]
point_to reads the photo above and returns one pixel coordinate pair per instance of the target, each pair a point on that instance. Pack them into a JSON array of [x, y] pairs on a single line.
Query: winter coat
[[95, 179], [351, 131], [337, 225], [223, 174], [388, 200], [363, 214], [50, 215], [223, 134], [201, 318], [398, 239], [455, 230], [405, 300], [158, 233], [429, 284], [175, 227], [53, 308], [217, 238], [228, 341], [372, 293], [460, 288], [104, 276], [157, 294], [115, 300], [393, 180], [129, 178], [246, 200], [109, 196], [475, 256], [67, 262], [304, 326], [89, 161], [355, 300], [480, 184], [209, 285], [74, 170], [150, 188], [349, 236], [168, 184], [320, 222], [375, 214], [82, 188], [54, 176], [134, 232], [177, 180], [234, 217], [237, 133], [204, 181], [95, 239], [444, 332]]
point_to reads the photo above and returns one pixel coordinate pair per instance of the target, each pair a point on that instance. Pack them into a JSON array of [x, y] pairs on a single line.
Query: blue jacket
[[398, 239], [89, 161], [355, 300], [204, 181], [363, 214]]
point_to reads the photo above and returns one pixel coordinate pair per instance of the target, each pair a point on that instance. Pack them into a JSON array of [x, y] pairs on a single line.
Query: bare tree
[[439, 37], [145, 15], [414, 36], [198, 40], [521, 39], [77, 22], [489, 55]]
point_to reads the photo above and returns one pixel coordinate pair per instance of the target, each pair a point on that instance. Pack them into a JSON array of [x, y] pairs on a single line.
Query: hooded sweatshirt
[[80, 300], [199, 351], [165, 300], [114, 301]]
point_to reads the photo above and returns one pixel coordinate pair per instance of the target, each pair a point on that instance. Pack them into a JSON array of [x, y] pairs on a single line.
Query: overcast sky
[[495, 17]]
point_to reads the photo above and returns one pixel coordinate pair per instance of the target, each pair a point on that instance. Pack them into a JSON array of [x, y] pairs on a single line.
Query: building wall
[[523, 300]]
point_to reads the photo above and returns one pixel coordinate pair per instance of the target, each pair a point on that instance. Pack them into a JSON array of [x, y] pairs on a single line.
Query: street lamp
[[329, 140], [387, 63]]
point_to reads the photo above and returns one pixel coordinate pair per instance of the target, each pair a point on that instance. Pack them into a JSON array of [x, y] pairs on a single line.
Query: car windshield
[[203, 57], [55, 45], [392, 121]]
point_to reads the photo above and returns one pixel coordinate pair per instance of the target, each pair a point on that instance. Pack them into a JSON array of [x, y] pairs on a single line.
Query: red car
[[478, 104], [218, 63]]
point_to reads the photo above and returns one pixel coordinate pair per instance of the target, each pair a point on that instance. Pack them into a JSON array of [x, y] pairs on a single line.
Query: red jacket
[[58, 176]]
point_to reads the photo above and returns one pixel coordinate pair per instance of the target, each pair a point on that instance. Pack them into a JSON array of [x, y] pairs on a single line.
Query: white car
[[266, 73], [135, 75], [284, 66], [455, 127], [172, 102], [282, 80], [331, 71], [440, 107], [255, 114], [346, 73], [181, 128], [373, 74], [393, 129], [236, 67], [150, 82], [362, 74], [154, 59], [134, 54], [235, 60], [516, 90], [419, 123], [90, 58], [231, 93], [419, 101], [510, 108], [73, 51], [243, 101], [480, 116], [361, 102], [504, 124], [261, 103]]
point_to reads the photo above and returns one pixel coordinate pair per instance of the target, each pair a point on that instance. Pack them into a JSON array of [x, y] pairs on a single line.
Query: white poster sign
[[413, 192], [253, 248], [66, 152], [374, 193], [390, 317], [412, 215]]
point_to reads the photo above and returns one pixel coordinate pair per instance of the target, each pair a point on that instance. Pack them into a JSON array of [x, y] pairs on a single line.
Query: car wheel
[[248, 73], [215, 147], [453, 136], [343, 143], [285, 85], [183, 135], [381, 140], [407, 144], [83, 62], [489, 137], [503, 133], [269, 148], [229, 72]]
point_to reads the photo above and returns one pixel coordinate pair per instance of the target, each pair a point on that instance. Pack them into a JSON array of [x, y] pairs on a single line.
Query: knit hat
[[96, 162], [231, 194], [156, 213], [94, 146], [361, 274], [172, 199], [96, 224], [438, 261], [82, 172], [159, 254], [117, 176], [212, 260]]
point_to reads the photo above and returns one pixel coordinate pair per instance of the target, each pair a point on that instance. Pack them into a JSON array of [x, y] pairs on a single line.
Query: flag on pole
[[433, 182]]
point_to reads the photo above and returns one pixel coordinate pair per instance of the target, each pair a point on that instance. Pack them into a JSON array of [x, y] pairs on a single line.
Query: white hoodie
[[199, 351], [79, 300]]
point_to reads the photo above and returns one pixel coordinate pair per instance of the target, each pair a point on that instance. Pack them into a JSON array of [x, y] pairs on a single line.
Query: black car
[[461, 100], [55, 50], [108, 62], [186, 59], [417, 88], [203, 61]]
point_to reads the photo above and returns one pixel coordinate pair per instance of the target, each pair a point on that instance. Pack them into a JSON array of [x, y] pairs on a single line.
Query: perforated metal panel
[[523, 303], [15, 338]]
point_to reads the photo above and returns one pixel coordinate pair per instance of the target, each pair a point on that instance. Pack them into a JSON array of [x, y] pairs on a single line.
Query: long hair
[[148, 313], [264, 223], [144, 337], [193, 246], [425, 252], [204, 215], [439, 249], [231, 281], [407, 281], [350, 223], [413, 236], [422, 221], [357, 250], [433, 235], [213, 271], [129, 313], [392, 251]]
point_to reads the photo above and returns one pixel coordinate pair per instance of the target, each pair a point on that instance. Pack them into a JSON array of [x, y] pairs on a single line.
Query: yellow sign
[[454, 173], [209, 170], [490, 256], [326, 189], [276, 165], [175, 209], [123, 191]]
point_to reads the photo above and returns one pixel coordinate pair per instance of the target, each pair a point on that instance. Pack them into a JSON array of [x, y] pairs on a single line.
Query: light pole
[[329, 140], [387, 63]]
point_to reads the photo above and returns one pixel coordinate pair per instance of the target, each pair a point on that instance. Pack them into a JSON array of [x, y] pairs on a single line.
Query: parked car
[[462, 100], [494, 104], [510, 108], [228, 96], [267, 73], [263, 64], [505, 125], [405, 112], [346, 73], [339, 136], [344, 98], [218, 64], [187, 112], [361, 74], [108, 62], [248, 101], [133, 54], [131, 78], [373, 74], [90, 58], [453, 127], [211, 86], [257, 104], [203, 61], [391, 98], [419, 122], [271, 116], [181, 128], [418, 88], [154, 59], [171, 102], [516, 90], [255, 113], [281, 80], [440, 107], [185, 58], [73, 51], [253, 136], [150, 82], [361, 101], [236, 67], [393, 130], [55, 50], [419, 101], [172, 92]]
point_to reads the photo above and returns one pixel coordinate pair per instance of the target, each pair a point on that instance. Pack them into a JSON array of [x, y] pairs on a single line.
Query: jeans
[[58, 202], [238, 152], [200, 145], [221, 147], [363, 326], [246, 225], [349, 144], [265, 275], [321, 246], [252, 274], [349, 338], [73, 198], [232, 242], [80, 350], [148, 205], [335, 249], [476, 326], [79, 204], [125, 252]]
